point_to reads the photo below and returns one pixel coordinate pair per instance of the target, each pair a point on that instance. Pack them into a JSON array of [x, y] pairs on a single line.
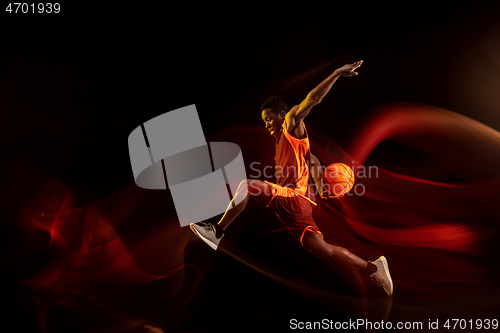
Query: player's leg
[[378, 269], [250, 188], [315, 244]]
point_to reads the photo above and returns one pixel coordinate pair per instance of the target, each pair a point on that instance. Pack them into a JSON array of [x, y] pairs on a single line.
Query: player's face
[[273, 121]]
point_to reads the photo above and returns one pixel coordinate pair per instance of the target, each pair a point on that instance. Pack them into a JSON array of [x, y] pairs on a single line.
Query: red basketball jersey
[[292, 162]]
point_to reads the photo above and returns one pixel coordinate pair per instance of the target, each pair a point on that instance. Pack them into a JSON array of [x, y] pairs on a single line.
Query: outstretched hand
[[349, 69]]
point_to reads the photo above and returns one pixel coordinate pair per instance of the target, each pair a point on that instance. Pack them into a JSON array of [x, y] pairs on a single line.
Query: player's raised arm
[[315, 96]]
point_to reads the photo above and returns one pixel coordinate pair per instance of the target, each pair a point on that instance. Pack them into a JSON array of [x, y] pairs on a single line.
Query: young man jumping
[[290, 198]]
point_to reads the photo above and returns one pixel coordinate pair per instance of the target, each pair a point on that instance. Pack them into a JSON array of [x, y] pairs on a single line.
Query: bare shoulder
[[293, 110], [290, 119], [294, 125]]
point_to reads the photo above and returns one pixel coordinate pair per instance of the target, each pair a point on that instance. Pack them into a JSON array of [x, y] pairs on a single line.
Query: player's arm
[[315, 96]]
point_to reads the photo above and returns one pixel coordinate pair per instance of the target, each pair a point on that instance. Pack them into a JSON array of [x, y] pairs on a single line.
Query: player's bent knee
[[315, 244], [246, 187], [243, 186], [257, 187]]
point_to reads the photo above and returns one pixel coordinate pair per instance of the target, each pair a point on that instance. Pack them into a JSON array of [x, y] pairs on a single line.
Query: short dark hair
[[275, 103]]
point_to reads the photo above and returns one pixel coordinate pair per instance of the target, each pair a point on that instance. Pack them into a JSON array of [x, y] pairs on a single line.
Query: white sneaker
[[206, 232], [382, 277]]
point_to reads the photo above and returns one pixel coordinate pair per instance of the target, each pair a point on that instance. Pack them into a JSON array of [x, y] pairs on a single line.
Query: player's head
[[273, 112]]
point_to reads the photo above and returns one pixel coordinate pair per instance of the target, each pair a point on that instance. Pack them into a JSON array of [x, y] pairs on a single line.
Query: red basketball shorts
[[296, 215]]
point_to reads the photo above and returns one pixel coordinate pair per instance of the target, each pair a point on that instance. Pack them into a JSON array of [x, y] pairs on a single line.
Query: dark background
[[74, 85]]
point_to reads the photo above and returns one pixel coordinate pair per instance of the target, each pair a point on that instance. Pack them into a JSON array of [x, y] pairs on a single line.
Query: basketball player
[[291, 198]]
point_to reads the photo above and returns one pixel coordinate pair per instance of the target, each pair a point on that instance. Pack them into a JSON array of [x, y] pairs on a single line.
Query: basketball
[[338, 179]]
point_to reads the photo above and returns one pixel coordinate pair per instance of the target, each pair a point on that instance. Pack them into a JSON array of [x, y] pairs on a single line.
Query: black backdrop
[[73, 86], [86, 77]]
